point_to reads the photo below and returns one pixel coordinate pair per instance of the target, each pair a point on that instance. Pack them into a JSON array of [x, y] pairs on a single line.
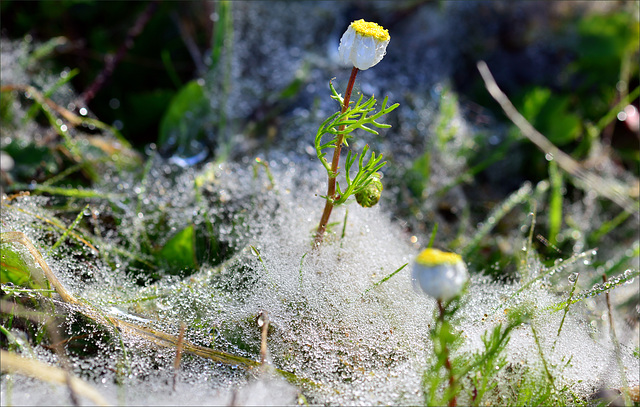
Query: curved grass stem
[[126, 328]]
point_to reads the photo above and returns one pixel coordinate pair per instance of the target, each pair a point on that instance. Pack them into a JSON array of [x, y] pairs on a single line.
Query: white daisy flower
[[439, 274], [363, 45]]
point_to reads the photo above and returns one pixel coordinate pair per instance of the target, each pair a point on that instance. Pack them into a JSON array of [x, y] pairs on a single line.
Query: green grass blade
[[66, 232], [496, 215], [607, 227], [34, 108], [433, 236], [386, 278], [68, 192], [555, 202], [631, 253]]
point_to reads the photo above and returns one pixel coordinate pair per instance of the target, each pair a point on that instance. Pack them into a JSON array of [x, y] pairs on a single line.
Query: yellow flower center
[[435, 257], [371, 30]]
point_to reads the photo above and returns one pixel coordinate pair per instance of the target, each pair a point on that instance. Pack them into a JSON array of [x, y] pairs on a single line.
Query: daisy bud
[[363, 44], [370, 195], [439, 274]]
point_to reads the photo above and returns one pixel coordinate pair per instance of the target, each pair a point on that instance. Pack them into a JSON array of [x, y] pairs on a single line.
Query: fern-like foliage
[[361, 115]]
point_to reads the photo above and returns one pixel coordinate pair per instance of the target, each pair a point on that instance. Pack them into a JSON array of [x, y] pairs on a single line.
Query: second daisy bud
[[439, 274]]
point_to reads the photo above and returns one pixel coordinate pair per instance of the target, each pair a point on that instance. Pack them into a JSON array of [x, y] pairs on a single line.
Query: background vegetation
[[120, 120]]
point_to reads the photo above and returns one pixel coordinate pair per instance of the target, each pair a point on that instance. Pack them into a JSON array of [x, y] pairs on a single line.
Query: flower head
[[439, 274], [363, 44]]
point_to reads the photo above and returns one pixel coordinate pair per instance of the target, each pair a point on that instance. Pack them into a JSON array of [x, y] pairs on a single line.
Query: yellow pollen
[[371, 30], [435, 257]]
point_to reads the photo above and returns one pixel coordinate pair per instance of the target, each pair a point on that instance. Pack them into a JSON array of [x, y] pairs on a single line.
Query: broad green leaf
[[560, 126], [605, 38], [179, 252], [185, 117], [13, 268], [534, 101], [549, 114]]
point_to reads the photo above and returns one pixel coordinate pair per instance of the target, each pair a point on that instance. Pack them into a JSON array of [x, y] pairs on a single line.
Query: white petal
[[346, 46], [381, 50], [442, 282], [365, 52]]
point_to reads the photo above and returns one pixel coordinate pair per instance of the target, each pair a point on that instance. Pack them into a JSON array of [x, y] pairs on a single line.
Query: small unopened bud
[[439, 274], [370, 195]]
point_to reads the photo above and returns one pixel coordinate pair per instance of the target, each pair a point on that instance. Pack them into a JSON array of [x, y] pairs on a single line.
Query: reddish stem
[[331, 189], [113, 60]]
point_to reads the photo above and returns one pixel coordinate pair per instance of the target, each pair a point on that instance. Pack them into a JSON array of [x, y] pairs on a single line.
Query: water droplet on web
[[573, 277], [150, 149]]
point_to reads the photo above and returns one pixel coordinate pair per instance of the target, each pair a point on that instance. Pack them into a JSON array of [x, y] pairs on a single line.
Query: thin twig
[[190, 43], [606, 188], [12, 363], [176, 362], [263, 322], [69, 116], [113, 61], [72, 119]]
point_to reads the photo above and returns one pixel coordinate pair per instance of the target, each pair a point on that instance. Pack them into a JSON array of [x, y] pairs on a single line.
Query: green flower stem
[[447, 362], [331, 189]]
